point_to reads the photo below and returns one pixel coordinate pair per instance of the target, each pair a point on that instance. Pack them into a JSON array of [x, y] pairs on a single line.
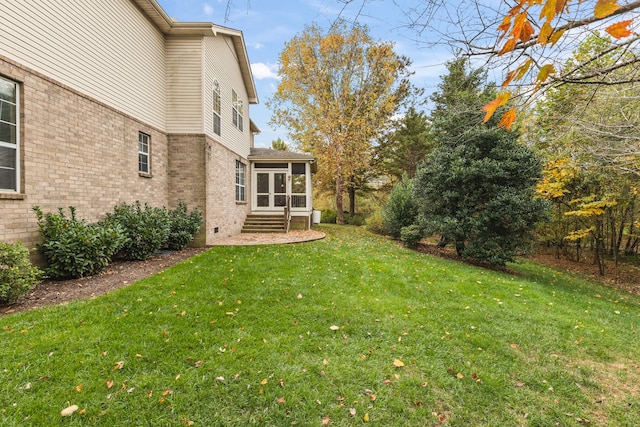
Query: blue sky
[[268, 24]]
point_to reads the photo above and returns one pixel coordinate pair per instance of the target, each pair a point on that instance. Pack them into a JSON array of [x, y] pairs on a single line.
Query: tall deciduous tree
[[338, 90], [476, 188], [590, 135]]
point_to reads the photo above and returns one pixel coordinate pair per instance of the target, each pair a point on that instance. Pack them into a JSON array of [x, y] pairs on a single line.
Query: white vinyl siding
[[106, 49], [221, 64], [185, 95], [9, 136]]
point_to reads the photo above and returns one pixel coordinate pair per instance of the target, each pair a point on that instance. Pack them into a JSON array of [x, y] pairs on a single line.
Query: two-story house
[[110, 101]]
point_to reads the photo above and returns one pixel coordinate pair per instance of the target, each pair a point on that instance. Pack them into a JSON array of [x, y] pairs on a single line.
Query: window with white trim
[[9, 136], [237, 110], [144, 146], [217, 110], [240, 182]]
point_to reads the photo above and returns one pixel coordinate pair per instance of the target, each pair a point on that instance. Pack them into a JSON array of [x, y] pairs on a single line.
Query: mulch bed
[[117, 275]]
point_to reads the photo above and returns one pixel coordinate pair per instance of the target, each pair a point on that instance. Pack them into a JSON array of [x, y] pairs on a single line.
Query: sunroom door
[[271, 190]]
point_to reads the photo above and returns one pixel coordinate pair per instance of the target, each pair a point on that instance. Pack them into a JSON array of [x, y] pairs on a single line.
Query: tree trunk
[[339, 208], [352, 200]]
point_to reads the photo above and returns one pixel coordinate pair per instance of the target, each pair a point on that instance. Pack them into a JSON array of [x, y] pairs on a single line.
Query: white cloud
[[207, 9], [264, 71], [257, 46]]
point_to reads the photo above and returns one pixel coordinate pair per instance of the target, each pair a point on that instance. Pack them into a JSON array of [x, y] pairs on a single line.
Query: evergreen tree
[[476, 188]]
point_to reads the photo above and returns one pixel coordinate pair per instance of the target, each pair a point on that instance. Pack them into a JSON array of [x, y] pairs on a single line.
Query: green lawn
[[345, 331]]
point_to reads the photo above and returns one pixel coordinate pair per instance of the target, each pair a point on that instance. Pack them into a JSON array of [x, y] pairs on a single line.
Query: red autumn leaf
[[605, 8], [620, 29]]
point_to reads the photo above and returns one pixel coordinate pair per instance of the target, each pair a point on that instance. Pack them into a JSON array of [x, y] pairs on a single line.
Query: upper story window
[[144, 146], [240, 182], [9, 136], [237, 110], [217, 111]]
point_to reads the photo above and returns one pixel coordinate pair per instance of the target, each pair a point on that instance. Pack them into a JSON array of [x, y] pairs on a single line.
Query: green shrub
[[411, 235], [374, 223], [183, 226], [146, 229], [328, 216], [17, 275], [401, 209], [355, 219], [73, 248]]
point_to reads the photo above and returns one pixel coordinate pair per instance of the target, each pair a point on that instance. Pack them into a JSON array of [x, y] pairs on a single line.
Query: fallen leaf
[[365, 418], [198, 363], [118, 365], [219, 378], [326, 421], [67, 412], [459, 376], [166, 392], [79, 387], [281, 400], [352, 411], [334, 327], [372, 398], [398, 363]]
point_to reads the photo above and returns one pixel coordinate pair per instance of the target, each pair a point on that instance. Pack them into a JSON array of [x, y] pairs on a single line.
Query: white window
[[240, 182], [9, 136], [144, 160], [216, 108], [237, 110]]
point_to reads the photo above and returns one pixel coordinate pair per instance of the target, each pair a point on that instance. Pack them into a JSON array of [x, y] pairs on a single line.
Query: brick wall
[[223, 212], [78, 152], [202, 173]]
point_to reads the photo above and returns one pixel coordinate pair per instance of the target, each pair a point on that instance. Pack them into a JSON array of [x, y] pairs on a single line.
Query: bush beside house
[[73, 248], [17, 275]]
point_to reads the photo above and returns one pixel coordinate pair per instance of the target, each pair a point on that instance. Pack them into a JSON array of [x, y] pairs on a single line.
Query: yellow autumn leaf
[[545, 72], [620, 29], [398, 363], [605, 8], [492, 106], [545, 33], [118, 365], [79, 387], [507, 119], [459, 376], [264, 381], [365, 418]]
